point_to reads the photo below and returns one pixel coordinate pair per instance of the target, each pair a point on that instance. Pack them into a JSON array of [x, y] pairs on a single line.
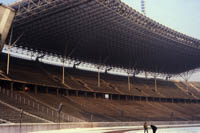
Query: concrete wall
[[31, 127]]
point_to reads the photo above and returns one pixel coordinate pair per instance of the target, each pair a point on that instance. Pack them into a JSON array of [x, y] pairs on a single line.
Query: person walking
[[154, 128], [145, 127]]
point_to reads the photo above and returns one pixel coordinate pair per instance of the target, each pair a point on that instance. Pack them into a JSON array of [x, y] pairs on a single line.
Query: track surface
[[124, 130]]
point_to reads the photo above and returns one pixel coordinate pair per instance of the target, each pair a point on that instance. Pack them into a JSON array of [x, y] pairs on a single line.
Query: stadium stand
[[48, 27], [83, 100]]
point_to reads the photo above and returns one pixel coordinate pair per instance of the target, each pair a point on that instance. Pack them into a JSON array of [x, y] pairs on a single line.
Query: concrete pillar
[[156, 88], [57, 92], [11, 86], [110, 96], [67, 92], [76, 93], [36, 89], [99, 79], [63, 72], [129, 84], [146, 99], [47, 90], [118, 97], [95, 95], [85, 94]]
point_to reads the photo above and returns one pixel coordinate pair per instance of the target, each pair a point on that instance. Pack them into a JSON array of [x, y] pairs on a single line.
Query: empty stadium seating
[[42, 106]]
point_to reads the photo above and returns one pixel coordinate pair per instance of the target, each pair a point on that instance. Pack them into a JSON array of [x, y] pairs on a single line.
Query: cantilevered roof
[[104, 32]]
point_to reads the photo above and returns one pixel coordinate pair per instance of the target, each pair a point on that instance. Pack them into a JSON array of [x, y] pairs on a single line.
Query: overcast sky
[[181, 15]]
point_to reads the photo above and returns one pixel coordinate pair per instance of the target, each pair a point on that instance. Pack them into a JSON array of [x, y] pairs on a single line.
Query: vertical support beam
[[8, 60], [95, 95], [187, 85], [132, 98], [57, 92], [146, 75], [36, 89], [76, 93], [85, 94], [67, 92], [63, 72], [156, 87], [99, 79], [110, 96], [129, 84], [119, 97], [11, 86], [47, 90]]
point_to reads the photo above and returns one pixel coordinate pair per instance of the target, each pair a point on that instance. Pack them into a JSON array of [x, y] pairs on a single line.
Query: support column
[[140, 99], [85, 94], [147, 99], [95, 95], [76, 93], [129, 84], [63, 72], [11, 86], [57, 92], [118, 97], [67, 92], [110, 96], [36, 89], [47, 90], [8, 60], [155, 83], [99, 79], [146, 75]]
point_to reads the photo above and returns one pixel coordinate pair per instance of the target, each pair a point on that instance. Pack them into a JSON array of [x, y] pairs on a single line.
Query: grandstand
[[107, 34], [84, 101]]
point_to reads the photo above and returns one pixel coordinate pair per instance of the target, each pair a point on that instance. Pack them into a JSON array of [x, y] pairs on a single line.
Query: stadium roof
[[104, 32]]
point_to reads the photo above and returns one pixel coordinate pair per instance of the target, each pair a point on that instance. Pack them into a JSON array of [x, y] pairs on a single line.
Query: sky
[[180, 15]]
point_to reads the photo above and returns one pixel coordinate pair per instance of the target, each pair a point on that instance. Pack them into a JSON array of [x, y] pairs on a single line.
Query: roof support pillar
[[129, 84], [155, 81], [47, 90], [111, 96], [8, 60], [57, 92], [11, 86], [99, 79], [95, 95], [63, 72], [35, 89]]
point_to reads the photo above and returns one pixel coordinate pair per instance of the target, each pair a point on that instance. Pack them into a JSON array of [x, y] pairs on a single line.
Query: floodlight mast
[[143, 7]]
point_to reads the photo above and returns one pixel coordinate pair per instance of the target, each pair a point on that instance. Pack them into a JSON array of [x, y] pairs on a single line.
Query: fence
[[53, 113]]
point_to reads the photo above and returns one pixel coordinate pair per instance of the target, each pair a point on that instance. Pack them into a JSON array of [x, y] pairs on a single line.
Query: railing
[[38, 106]]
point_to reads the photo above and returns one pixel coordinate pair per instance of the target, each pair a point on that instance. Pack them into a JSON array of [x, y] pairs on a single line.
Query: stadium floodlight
[[143, 7]]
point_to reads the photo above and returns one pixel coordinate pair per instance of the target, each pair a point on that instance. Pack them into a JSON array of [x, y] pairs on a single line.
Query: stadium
[[60, 62]]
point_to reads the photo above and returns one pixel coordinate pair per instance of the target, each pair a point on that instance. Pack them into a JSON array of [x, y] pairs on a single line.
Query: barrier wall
[[30, 127]]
